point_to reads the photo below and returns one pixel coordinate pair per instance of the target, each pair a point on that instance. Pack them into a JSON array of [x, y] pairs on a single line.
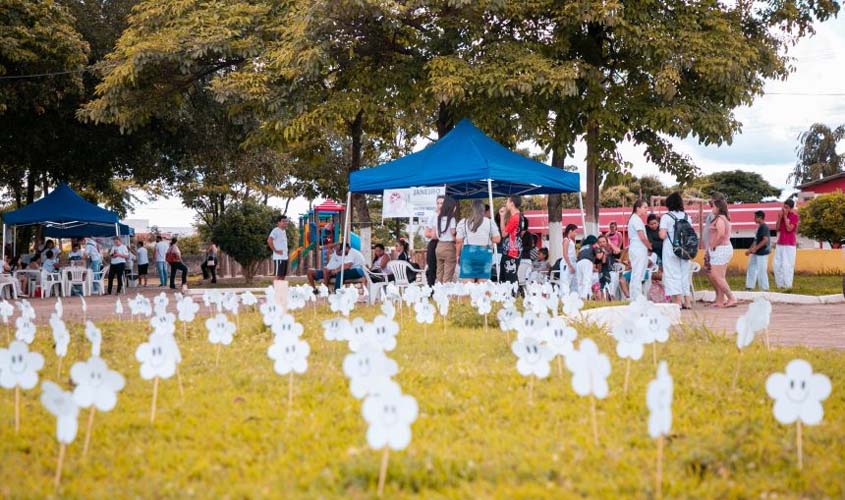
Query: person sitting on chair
[[379, 267], [328, 271]]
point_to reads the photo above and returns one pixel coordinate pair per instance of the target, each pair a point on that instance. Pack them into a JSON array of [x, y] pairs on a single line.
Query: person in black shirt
[[757, 272], [652, 230]]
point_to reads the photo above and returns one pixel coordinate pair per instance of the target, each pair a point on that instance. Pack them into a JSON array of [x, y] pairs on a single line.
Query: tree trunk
[[555, 205], [359, 201], [591, 203], [445, 120]]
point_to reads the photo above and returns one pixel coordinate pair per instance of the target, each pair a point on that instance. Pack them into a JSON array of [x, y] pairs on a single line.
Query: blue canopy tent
[[471, 165], [63, 212]]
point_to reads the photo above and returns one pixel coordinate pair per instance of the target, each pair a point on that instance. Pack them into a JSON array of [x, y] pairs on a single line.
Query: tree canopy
[[821, 218], [738, 186], [817, 156]]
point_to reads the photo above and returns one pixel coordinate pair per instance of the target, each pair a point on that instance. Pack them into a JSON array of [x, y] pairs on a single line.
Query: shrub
[[822, 218], [242, 233]]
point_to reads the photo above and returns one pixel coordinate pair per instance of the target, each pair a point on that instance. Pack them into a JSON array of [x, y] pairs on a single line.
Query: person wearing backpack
[[680, 246]]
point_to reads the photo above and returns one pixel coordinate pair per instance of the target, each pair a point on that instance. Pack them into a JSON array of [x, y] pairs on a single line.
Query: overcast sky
[[815, 92]]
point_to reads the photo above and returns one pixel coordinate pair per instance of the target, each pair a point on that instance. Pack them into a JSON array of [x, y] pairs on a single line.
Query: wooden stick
[[8, 334], [593, 416], [58, 478], [88, 431], [217, 356], [184, 330], [560, 365], [155, 396], [659, 479], [800, 443], [654, 353], [179, 380], [59, 368], [768, 344], [736, 373], [627, 373], [485, 323], [17, 409], [382, 473]]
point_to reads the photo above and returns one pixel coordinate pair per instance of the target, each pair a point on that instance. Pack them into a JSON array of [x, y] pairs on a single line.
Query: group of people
[[121, 260], [662, 248]]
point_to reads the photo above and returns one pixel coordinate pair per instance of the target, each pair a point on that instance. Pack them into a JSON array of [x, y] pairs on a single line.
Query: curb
[[775, 297]]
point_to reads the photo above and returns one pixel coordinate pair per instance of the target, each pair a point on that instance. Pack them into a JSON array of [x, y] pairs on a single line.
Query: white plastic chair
[[99, 278], [694, 267], [649, 277], [77, 278], [49, 281], [399, 269], [8, 281], [375, 289]]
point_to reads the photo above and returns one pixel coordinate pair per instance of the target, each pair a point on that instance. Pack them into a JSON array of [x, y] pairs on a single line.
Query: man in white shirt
[[278, 243], [50, 264], [143, 263], [160, 254], [353, 267], [117, 266], [327, 273]]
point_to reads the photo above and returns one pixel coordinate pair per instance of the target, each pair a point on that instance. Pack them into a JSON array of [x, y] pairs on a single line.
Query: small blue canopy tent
[[471, 165], [465, 160], [63, 210]]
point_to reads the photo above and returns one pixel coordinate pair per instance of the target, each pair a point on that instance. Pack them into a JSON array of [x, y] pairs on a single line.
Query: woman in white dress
[[638, 247], [568, 269], [676, 271]]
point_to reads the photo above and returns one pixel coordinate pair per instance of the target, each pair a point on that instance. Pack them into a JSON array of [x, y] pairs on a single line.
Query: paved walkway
[[808, 325]]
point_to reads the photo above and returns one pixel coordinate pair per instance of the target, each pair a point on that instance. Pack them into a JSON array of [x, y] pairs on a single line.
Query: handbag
[[211, 261]]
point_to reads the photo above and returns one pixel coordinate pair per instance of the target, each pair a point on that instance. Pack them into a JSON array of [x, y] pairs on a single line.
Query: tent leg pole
[[492, 211], [583, 214], [14, 240], [4, 242], [345, 233]]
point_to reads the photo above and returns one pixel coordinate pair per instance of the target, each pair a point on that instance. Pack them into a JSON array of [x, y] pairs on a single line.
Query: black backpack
[[684, 241]]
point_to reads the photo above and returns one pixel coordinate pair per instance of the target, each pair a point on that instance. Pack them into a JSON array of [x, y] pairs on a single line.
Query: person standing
[[705, 235], [589, 255], [209, 264], [721, 252], [638, 247], [758, 255], [568, 273], [787, 228], [174, 258], [431, 247], [278, 243], [676, 271], [445, 231], [143, 263], [160, 254], [476, 236], [512, 243], [95, 260], [652, 229], [117, 265]]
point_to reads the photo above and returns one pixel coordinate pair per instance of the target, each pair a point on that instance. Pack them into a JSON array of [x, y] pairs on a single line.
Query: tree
[[817, 156], [738, 186], [618, 196], [821, 218], [242, 233]]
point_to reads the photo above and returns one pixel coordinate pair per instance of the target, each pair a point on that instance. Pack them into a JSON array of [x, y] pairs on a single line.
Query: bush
[[242, 233], [191, 245], [822, 218]]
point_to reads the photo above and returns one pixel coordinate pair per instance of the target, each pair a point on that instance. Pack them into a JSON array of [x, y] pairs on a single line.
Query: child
[[143, 264]]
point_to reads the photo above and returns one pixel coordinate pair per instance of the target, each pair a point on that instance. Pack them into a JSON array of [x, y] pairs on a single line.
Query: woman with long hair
[[476, 236], [445, 233], [676, 271], [512, 248], [638, 247], [568, 273], [721, 252]]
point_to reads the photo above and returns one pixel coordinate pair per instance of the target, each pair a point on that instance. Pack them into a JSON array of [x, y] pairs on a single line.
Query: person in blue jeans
[[160, 253]]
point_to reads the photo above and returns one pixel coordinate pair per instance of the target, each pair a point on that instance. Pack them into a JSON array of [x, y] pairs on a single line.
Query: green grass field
[[232, 435], [802, 284]]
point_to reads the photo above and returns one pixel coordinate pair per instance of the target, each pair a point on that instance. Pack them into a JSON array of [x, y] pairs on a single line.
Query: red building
[[829, 184]]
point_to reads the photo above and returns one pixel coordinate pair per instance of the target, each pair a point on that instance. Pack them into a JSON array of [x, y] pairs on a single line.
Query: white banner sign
[[418, 202]]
